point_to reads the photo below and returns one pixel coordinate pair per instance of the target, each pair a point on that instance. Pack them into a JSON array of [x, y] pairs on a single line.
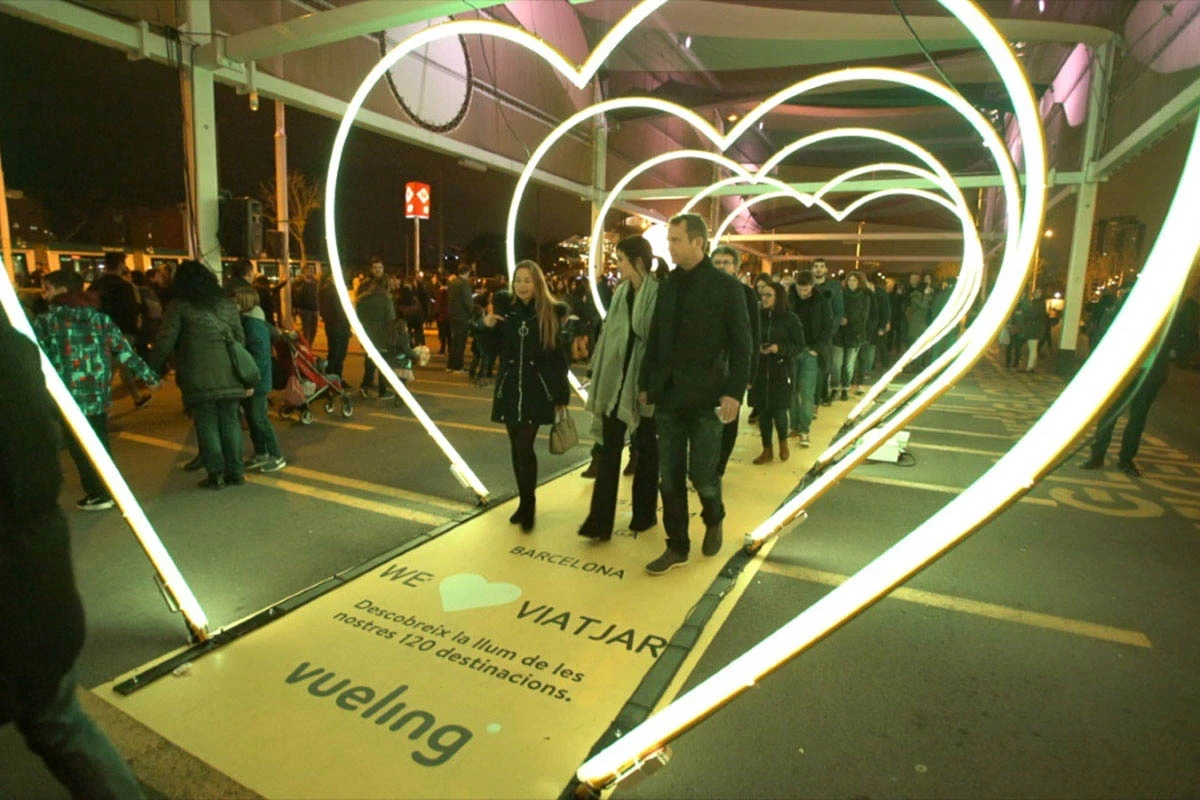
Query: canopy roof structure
[[491, 103]]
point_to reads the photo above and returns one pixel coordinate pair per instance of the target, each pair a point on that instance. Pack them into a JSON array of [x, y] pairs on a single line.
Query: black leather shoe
[[1093, 463], [1130, 468], [592, 469], [638, 527], [517, 515], [712, 540], [193, 465], [527, 519], [212, 482], [588, 530]]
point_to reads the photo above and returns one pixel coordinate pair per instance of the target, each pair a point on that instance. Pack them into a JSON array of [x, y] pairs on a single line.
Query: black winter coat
[[857, 312], [776, 371], [698, 350], [753, 307], [816, 317], [119, 300], [41, 617], [531, 379], [196, 334]]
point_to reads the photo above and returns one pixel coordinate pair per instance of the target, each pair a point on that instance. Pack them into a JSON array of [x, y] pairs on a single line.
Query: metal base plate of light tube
[[170, 580], [599, 770]]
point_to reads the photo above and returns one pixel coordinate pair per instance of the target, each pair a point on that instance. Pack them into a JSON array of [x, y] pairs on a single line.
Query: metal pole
[[858, 246], [284, 225], [416, 244], [5, 235]]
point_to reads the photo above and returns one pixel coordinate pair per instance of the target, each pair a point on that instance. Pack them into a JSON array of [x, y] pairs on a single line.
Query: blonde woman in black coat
[[531, 384]]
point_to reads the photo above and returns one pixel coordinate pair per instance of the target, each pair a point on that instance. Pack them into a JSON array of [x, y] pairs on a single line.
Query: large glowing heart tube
[[964, 292], [839, 606], [944, 179], [990, 138], [172, 580], [1132, 336]]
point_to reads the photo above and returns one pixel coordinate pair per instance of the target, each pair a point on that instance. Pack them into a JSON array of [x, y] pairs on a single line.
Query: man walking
[[726, 259], [832, 292], [461, 301], [119, 300], [696, 369]]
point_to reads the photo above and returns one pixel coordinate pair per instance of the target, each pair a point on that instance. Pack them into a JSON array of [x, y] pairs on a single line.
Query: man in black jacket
[[119, 300], [726, 259], [816, 318], [42, 629], [696, 370], [462, 308]]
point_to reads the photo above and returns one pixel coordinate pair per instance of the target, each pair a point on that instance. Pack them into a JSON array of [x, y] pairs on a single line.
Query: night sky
[[86, 131]]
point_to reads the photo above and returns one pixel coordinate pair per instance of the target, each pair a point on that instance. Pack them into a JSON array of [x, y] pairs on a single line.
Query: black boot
[[530, 509], [631, 467], [592, 469]]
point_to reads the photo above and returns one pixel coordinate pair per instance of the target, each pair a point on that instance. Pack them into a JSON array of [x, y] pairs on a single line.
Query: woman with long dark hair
[[195, 328], [613, 398], [771, 393], [531, 386]]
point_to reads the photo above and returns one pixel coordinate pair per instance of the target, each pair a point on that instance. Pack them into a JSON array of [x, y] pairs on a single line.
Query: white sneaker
[[95, 504], [255, 463], [274, 464]]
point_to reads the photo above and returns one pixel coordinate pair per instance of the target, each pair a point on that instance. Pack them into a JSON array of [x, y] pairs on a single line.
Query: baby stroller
[[300, 373]]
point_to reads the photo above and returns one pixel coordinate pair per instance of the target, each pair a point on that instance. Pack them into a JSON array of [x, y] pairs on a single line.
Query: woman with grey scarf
[[613, 399]]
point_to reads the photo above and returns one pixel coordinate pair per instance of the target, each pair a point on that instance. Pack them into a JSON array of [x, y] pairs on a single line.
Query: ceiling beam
[[1162, 122], [313, 30], [810, 187], [138, 42]]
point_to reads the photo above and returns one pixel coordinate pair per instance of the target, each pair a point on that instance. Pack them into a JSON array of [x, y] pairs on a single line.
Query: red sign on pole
[[416, 200]]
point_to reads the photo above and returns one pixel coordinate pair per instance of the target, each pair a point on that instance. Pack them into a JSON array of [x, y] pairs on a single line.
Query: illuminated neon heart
[[722, 142], [1161, 281]]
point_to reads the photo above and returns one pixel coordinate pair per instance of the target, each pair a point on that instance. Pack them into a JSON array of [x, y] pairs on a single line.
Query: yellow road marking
[[962, 433], [312, 474], [936, 487], [949, 449], [422, 393], [1115, 483], [398, 512], [354, 426], [980, 609], [380, 489], [499, 429]]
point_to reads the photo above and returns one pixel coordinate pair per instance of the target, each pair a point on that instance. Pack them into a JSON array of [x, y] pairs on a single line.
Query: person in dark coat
[[695, 371], [771, 393], [1137, 398], [195, 328], [377, 313], [531, 386], [816, 318], [119, 300], [832, 291], [337, 326], [304, 301], [851, 333], [726, 259], [267, 456], [43, 626], [460, 309]]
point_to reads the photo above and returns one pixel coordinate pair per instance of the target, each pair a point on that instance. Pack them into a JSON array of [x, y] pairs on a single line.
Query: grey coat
[[608, 361], [196, 335], [378, 316]]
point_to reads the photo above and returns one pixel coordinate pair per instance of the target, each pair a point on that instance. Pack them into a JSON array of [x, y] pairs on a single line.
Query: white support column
[[599, 157], [202, 135], [1085, 216], [283, 213]]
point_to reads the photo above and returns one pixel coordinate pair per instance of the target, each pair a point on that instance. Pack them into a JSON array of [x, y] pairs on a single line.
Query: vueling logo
[[443, 742]]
